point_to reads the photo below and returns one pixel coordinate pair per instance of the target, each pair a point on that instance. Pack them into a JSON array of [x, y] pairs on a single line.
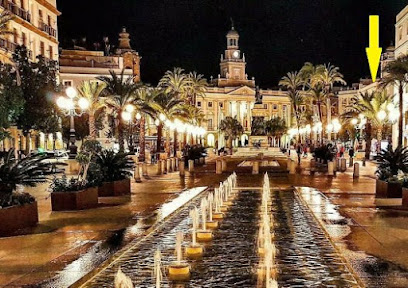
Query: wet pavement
[[377, 237]]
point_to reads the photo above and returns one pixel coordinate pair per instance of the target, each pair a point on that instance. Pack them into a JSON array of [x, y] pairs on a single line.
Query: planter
[[75, 200], [385, 189], [116, 188], [405, 197], [18, 217]]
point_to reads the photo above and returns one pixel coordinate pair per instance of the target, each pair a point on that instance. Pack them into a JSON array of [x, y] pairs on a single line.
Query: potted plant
[[405, 191], [17, 209], [81, 192], [116, 169], [390, 164]]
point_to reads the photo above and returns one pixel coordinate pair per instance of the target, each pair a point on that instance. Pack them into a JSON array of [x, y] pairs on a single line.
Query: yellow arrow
[[374, 52]]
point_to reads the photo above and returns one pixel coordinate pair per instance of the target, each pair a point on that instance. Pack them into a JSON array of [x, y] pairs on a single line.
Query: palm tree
[[5, 18], [168, 105], [369, 105], [121, 92], [192, 115], [275, 127], [231, 128], [175, 82], [197, 86], [92, 91], [396, 73], [292, 82]]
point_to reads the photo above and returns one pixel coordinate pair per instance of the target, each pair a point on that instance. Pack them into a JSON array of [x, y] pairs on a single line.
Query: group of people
[[303, 148]]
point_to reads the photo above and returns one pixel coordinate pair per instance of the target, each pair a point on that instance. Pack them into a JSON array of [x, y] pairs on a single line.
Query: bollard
[[144, 169], [190, 166], [218, 167], [181, 167], [351, 162], [338, 164], [255, 167], [177, 161], [163, 166], [136, 174], [159, 170], [356, 172], [173, 164], [343, 164], [169, 167], [330, 168], [364, 162], [224, 164], [292, 169], [288, 163], [334, 166], [201, 160]]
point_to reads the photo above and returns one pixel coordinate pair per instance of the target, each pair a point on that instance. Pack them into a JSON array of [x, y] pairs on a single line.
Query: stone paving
[[61, 238]]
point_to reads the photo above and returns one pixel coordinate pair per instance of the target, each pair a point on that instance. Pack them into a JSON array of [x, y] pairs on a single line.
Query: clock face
[[235, 54]]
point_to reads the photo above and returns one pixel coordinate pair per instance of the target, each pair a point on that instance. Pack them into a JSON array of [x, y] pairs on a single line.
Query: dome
[[232, 33]]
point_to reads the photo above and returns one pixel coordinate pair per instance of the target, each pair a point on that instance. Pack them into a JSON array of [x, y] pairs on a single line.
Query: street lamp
[[70, 106], [128, 115]]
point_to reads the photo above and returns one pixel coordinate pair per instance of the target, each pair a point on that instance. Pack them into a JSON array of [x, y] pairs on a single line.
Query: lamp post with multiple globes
[[129, 116], [72, 106]]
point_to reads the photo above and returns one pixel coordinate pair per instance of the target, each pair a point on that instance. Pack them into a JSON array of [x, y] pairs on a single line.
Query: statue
[[258, 96]]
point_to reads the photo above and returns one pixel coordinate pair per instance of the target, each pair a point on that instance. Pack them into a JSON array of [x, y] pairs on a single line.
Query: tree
[[369, 105], [396, 73], [39, 89], [5, 18], [121, 92], [275, 127], [92, 91], [196, 87], [176, 83], [192, 115], [292, 82], [231, 128]]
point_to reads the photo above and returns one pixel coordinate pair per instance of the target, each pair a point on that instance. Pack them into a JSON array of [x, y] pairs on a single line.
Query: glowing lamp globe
[[83, 103], [130, 108], [71, 92], [126, 116], [61, 102], [138, 116], [381, 115]]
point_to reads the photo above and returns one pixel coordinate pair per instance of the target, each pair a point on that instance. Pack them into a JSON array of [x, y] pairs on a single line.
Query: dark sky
[[276, 36]]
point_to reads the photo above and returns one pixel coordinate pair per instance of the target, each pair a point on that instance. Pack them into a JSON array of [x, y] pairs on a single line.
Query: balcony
[[48, 29], [11, 47], [24, 14]]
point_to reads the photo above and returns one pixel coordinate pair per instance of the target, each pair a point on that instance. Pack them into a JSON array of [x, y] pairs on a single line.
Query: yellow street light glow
[[126, 116], [329, 127], [61, 102], [83, 103], [157, 122], [71, 92], [381, 115], [130, 108], [138, 116], [69, 104], [162, 117], [354, 121], [394, 116], [390, 107]]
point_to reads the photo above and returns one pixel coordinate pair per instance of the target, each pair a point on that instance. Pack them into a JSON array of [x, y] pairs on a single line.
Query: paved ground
[[62, 237]]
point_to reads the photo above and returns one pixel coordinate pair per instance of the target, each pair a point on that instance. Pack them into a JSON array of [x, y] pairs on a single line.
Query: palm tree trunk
[[401, 118], [121, 137], [379, 138], [319, 109], [159, 137], [168, 142], [92, 128], [142, 139], [368, 140], [27, 138], [230, 144], [175, 143]]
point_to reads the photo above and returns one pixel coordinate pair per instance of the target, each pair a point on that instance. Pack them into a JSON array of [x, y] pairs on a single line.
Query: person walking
[[299, 151]]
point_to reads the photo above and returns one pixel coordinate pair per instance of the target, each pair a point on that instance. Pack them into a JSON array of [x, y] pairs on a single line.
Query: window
[[221, 105], [210, 124], [42, 49], [49, 20], [15, 35], [265, 106], [24, 38], [400, 33], [51, 52], [236, 73], [67, 83], [275, 107], [199, 104], [210, 104], [40, 15]]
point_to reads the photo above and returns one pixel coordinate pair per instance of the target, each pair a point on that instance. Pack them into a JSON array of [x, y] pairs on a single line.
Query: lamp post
[[69, 106], [128, 116]]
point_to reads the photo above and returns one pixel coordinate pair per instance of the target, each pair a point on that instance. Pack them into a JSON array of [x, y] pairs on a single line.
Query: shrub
[[114, 166]]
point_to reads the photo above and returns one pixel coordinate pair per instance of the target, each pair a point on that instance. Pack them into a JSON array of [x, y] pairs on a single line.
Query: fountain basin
[[218, 216], [211, 224], [194, 251], [179, 272], [204, 236]]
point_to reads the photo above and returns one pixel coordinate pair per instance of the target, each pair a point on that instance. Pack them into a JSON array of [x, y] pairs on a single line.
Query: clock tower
[[232, 63]]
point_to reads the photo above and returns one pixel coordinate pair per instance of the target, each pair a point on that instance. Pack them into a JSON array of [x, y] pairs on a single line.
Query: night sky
[[276, 36]]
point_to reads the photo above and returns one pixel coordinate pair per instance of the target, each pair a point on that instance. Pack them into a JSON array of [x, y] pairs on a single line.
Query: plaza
[[121, 165]]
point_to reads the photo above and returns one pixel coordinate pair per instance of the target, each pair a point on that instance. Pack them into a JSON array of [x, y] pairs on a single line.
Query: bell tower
[[232, 63]]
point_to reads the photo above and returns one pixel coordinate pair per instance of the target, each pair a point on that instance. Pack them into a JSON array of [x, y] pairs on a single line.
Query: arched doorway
[[244, 140], [210, 140]]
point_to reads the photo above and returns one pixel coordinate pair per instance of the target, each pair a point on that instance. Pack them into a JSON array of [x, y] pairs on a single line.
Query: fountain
[[211, 224], [218, 215], [179, 270], [122, 281], [204, 235], [157, 269], [194, 250]]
